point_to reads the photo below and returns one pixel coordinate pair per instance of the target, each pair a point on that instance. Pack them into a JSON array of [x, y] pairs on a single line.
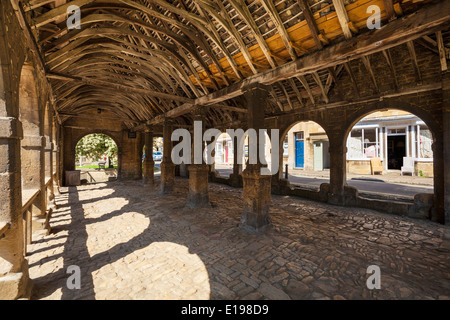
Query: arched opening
[[390, 152], [306, 158], [224, 155], [96, 156], [155, 153], [230, 152]]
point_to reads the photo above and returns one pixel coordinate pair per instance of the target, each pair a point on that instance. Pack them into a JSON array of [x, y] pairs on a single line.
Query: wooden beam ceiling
[[173, 55]]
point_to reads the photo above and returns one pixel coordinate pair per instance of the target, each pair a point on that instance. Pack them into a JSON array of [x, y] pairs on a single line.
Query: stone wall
[[129, 149]]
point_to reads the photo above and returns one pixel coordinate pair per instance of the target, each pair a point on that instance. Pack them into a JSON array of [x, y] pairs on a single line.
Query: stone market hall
[[136, 70]]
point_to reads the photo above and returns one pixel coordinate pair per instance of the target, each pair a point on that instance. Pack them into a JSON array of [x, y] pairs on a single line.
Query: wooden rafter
[[441, 49], [387, 56], [412, 55], [389, 6], [343, 18], [352, 78], [305, 85], [316, 78], [272, 11], [311, 22], [367, 65]]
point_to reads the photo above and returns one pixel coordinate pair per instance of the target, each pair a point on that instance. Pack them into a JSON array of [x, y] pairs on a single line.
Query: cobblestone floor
[[134, 244]]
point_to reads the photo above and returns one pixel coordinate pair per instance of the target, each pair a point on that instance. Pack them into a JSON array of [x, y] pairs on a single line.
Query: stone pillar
[[278, 181], [149, 164], [33, 178], [167, 166], [212, 167], [14, 279], [198, 196], [50, 190], [338, 174], [257, 187], [236, 176], [446, 144]]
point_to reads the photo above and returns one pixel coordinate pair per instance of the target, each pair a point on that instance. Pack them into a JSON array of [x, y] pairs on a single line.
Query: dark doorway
[[396, 151]]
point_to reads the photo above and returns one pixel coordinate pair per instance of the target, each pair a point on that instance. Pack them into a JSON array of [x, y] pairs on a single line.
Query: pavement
[[391, 184], [130, 242]]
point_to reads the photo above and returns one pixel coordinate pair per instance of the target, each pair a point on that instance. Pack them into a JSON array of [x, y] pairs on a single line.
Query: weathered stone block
[[256, 196], [198, 196]]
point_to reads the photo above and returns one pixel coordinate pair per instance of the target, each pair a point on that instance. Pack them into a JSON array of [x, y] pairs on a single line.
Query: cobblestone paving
[[131, 243]]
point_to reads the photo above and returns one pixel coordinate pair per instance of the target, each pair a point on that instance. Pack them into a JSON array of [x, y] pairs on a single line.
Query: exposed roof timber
[[343, 18], [412, 54], [367, 65], [311, 22], [427, 20], [316, 78], [35, 50], [389, 6], [441, 48], [91, 116], [379, 97], [387, 56], [272, 10], [247, 17], [348, 68], [211, 40], [111, 85]]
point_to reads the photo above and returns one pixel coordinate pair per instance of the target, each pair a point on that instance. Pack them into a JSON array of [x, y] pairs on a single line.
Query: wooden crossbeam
[[114, 86]]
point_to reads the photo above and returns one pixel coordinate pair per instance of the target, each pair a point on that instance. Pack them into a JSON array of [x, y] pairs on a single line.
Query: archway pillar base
[[198, 196], [257, 197]]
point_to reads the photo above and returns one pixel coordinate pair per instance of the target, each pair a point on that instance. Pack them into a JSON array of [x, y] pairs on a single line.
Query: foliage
[[96, 146]]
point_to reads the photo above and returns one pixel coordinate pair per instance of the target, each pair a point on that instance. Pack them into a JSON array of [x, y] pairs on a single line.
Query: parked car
[[157, 156]]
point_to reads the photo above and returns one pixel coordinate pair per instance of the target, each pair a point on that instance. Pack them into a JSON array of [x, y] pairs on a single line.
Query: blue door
[[299, 150]]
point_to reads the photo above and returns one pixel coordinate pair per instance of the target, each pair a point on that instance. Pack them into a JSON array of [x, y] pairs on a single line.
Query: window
[[285, 147], [363, 144], [399, 131], [424, 142]]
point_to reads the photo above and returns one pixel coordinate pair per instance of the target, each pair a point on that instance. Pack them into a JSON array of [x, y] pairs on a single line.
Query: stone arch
[[114, 137], [319, 136], [433, 122]]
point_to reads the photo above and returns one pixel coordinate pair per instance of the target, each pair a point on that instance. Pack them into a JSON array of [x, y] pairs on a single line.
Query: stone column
[[198, 196], [14, 279], [236, 176], [50, 191], [257, 187], [338, 174], [167, 166], [149, 164], [33, 178], [212, 167], [446, 144]]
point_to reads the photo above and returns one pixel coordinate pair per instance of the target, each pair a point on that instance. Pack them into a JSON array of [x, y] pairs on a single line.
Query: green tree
[[96, 146]]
